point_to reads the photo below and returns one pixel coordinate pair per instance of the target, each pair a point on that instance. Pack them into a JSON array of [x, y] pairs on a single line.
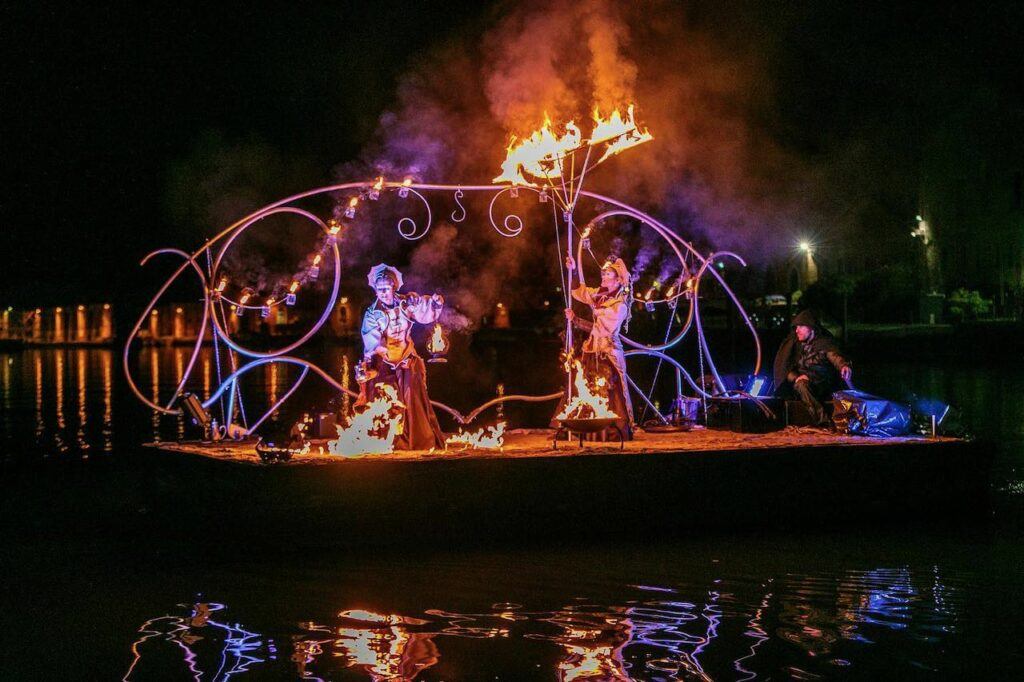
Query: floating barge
[[657, 485]]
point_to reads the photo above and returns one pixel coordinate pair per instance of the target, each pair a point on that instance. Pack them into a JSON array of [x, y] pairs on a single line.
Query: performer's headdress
[[618, 266], [382, 271]]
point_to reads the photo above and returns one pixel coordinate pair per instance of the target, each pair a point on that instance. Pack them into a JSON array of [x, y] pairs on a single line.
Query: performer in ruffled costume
[[389, 356], [603, 355]]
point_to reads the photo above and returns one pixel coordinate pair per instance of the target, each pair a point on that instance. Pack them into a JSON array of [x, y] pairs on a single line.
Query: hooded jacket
[[820, 358]]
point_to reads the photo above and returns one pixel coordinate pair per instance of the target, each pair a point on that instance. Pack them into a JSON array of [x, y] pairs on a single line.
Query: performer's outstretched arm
[[426, 309]]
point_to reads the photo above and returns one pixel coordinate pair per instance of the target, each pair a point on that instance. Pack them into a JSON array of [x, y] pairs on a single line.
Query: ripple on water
[[815, 623]]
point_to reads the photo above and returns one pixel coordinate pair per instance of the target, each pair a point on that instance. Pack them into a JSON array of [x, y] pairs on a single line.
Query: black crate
[[324, 426], [743, 415]]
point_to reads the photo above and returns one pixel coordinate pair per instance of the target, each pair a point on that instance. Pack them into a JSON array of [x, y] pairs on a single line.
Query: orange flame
[[437, 344], [540, 155], [490, 438], [382, 415], [587, 404], [620, 133]]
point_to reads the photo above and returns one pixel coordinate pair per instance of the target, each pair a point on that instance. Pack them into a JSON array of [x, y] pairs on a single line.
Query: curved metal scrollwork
[[221, 328], [458, 202], [510, 225], [407, 226]]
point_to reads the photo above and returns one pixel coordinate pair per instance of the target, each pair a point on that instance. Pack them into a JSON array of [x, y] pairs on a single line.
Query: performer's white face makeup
[[804, 333], [609, 279], [385, 291]]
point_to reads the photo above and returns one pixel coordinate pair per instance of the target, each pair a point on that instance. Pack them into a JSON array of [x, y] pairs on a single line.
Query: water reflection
[[37, 374], [385, 647], [799, 625], [58, 434], [206, 377], [179, 372], [80, 369], [154, 380], [108, 402], [206, 648], [5, 385], [271, 372]]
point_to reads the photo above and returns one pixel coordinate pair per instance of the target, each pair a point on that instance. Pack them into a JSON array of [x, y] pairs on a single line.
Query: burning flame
[[490, 437], [620, 133], [587, 404], [437, 343], [541, 155], [381, 415]]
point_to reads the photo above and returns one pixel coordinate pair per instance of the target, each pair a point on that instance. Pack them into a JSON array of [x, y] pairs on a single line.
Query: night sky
[[103, 105]]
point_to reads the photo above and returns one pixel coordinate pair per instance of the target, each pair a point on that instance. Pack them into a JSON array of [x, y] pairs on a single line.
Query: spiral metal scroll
[[412, 233], [510, 225]]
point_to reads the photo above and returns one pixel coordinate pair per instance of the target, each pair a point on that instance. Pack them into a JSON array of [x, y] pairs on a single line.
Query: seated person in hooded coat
[[810, 365]]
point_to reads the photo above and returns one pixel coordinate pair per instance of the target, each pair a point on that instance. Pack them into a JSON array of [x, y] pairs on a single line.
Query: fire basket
[[583, 427]]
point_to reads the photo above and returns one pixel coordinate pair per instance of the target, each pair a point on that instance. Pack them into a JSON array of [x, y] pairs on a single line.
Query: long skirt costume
[[386, 332]]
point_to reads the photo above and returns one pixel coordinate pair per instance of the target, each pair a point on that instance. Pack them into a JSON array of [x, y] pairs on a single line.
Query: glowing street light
[[805, 246]]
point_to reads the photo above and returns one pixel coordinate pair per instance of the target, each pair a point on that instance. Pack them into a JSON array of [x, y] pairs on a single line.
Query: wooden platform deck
[[658, 485], [520, 444]]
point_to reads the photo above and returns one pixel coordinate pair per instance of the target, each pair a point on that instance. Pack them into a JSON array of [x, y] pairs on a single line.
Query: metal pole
[[568, 322]]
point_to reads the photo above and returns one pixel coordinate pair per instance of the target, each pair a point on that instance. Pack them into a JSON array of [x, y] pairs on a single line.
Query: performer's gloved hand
[[570, 263], [802, 377], [846, 373], [569, 314], [437, 300]]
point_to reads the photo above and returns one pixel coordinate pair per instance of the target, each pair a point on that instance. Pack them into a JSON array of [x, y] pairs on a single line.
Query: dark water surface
[[864, 604]]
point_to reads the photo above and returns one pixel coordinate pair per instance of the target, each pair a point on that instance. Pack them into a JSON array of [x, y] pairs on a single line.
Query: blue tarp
[[862, 414]]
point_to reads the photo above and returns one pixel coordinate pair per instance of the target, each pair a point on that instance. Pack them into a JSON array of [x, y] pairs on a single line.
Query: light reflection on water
[[803, 626]]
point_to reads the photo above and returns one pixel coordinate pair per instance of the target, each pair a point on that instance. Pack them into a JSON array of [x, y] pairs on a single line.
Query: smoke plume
[[714, 171]]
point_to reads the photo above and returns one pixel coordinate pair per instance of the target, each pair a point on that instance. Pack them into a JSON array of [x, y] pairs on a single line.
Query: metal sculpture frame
[[508, 225]]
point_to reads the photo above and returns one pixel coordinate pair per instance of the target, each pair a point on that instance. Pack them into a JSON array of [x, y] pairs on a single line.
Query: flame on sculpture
[[542, 155], [491, 437], [587, 403], [620, 133], [372, 431], [539, 155]]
